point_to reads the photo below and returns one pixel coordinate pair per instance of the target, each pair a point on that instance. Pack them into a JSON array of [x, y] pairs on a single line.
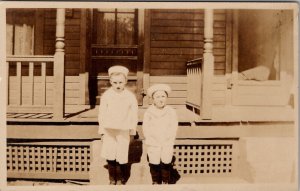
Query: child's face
[[160, 99], [118, 82]]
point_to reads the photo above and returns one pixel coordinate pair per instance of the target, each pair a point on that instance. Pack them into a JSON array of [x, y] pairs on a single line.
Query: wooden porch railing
[[194, 83], [28, 83]]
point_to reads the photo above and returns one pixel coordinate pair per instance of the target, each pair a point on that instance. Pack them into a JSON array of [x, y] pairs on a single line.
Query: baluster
[[7, 83], [19, 84], [43, 83], [31, 83]]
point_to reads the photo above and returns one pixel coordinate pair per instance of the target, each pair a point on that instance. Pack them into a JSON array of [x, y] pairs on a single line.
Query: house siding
[[176, 36], [72, 39]]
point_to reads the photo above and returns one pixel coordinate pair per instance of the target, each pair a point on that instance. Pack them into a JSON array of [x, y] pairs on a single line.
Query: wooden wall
[[72, 38], [176, 36]]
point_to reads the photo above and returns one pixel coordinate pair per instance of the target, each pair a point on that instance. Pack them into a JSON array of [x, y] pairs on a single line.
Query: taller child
[[118, 117]]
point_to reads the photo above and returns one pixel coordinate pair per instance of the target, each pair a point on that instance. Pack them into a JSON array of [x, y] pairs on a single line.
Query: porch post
[[208, 65], [59, 59]]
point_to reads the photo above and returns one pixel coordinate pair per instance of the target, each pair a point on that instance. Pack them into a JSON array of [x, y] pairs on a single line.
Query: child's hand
[[132, 132]]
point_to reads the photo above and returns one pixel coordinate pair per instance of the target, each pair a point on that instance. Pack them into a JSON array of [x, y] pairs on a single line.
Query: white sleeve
[[102, 113], [134, 116], [173, 128], [146, 125]]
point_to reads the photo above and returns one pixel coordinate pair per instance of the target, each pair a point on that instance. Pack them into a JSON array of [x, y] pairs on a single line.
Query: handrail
[[194, 61], [30, 58]]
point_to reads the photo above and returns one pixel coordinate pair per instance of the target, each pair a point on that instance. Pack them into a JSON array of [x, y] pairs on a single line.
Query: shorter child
[[118, 117], [159, 127]]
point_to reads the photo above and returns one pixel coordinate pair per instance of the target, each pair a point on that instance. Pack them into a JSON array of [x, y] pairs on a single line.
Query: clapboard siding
[[219, 40], [176, 36], [219, 90], [72, 39], [178, 85], [72, 90], [49, 31]]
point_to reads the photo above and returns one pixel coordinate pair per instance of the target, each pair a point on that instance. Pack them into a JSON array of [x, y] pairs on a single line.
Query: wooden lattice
[[48, 160], [206, 158]]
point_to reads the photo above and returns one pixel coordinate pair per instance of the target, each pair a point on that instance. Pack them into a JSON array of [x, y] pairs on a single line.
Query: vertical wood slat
[[85, 159], [31, 83], [62, 166], [39, 159], [43, 83], [50, 159], [67, 151], [73, 159], [10, 153], [7, 83], [27, 159], [54, 159], [79, 154], [19, 84], [33, 159], [22, 158], [44, 159], [16, 159]]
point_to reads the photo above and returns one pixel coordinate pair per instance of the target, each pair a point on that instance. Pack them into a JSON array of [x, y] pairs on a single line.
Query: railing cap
[[194, 61]]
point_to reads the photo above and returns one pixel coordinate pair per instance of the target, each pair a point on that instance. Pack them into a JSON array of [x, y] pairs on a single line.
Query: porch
[[86, 114], [52, 130]]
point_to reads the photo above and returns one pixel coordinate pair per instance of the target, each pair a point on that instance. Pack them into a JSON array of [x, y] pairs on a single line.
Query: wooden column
[[146, 67], [59, 61], [140, 62], [208, 65], [84, 75]]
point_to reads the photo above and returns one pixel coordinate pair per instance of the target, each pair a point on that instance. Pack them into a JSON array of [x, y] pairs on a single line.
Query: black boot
[[165, 173], [111, 166], [155, 173], [120, 174], [125, 172]]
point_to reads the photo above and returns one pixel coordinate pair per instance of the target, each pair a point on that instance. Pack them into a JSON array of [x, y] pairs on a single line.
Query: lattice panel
[[52, 160], [214, 159]]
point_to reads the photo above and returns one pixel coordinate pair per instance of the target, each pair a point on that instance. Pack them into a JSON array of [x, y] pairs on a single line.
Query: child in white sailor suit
[[160, 125], [118, 117]]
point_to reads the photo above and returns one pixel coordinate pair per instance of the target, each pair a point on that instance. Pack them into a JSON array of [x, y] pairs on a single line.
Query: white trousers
[[115, 145], [160, 153]]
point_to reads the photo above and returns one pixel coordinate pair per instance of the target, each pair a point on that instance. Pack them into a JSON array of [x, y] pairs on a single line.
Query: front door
[[114, 42]]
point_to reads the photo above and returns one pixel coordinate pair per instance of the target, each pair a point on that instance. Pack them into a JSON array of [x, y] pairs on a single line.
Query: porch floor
[[84, 113]]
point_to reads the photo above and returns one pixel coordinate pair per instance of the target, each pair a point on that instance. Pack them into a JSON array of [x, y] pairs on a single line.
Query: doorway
[[114, 42]]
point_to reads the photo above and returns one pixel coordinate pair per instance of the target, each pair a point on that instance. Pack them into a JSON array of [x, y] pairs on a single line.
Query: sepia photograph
[[161, 95]]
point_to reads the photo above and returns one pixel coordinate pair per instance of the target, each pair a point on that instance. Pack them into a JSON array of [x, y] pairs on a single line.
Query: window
[[20, 32], [116, 27]]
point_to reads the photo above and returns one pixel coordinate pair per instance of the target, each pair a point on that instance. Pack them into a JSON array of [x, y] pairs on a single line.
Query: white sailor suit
[[118, 117], [159, 128]]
